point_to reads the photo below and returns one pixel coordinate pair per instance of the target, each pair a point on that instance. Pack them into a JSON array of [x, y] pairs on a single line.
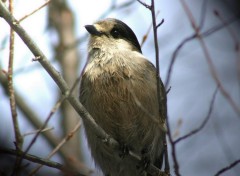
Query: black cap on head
[[125, 32]]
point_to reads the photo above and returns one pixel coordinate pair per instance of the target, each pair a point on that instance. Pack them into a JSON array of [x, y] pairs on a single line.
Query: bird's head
[[112, 33]]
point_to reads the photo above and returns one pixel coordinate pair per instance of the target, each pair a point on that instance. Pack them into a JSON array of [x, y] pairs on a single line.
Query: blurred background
[[199, 66]]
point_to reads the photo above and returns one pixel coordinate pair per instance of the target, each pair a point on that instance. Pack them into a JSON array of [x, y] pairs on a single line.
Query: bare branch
[[54, 109], [203, 123], [192, 37], [203, 14], [174, 57], [145, 5], [227, 168], [160, 99], [209, 60], [18, 137], [147, 33], [160, 24], [37, 131], [34, 11], [38, 160], [55, 150], [234, 38], [32, 117]]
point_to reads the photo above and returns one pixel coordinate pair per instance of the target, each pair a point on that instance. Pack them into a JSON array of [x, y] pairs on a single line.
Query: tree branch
[[18, 137], [34, 11], [227, 168], [33, 118], [204, 34], [203, 123], [160, 98], [209, 60], [38, 160], [61, 20], [69, 136]]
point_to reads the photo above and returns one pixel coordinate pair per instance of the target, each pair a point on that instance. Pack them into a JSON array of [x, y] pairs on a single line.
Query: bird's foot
[[124, 150], [143, 164], [145, 161]]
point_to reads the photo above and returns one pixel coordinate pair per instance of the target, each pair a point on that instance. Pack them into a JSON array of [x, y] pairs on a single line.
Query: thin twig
[[18, 138], [186, 40], [225, 145], [160, 99], [36, 131], [98, 131], [31, 116], [203, 14], [174, 155], [204, 121], [147, 33], [68, 137], [160, 24], [38, 160], [235, 40], [145, 5], [34, 11], [227, 168], [54, 109], [116, 7], [174, 57], [204, 34], [55, 150], [209, 60]]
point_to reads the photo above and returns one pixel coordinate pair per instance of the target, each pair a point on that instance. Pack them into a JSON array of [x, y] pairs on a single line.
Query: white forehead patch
[[103, 26], [98, 27]]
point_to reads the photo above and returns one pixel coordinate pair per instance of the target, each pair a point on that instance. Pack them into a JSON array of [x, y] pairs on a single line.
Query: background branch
[[209, 60], [38, 160], [206, 119], [225, 169], [161, 98], [61, 21]]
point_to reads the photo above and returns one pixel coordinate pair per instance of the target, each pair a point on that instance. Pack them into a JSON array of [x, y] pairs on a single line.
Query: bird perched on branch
[[119, 90]]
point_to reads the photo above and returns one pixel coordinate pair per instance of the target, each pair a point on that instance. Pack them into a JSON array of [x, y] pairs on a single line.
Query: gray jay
[[119, 89]]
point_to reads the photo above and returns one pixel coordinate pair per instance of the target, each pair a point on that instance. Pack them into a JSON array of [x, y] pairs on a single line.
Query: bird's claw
[[124, 150]]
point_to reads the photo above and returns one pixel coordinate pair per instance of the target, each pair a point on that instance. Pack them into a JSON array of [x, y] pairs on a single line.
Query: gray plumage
[[118, 88]]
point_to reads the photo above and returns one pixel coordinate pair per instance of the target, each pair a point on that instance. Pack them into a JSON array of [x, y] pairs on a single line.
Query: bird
[[119, 89]]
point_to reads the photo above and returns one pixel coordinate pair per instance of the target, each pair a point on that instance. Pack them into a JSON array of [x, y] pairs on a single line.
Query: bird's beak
[[92, 30]]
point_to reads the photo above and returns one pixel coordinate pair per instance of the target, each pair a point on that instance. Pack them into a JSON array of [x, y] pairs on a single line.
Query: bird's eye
[[115, 33]]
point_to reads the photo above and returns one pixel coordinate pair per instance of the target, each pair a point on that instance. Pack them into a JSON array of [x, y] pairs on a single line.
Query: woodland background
[[204, 80]]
